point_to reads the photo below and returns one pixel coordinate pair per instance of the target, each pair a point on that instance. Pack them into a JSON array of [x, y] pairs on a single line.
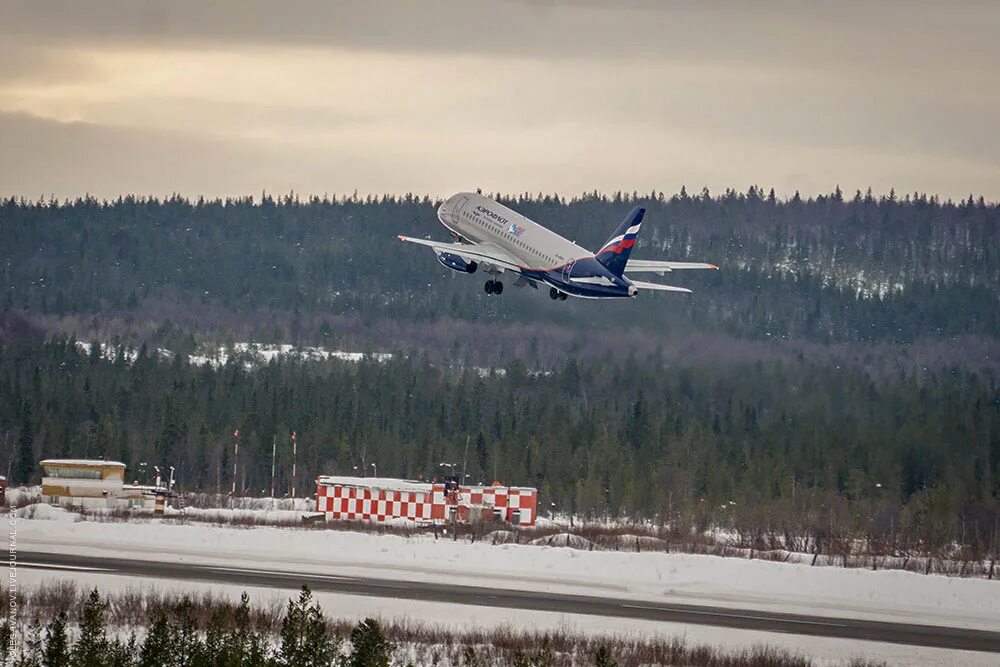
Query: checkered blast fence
[[373, 499]]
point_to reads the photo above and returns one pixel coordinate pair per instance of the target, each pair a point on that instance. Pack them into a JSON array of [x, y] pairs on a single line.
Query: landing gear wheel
[[497, 287], [488, 287], [563, 296], [553, 293]]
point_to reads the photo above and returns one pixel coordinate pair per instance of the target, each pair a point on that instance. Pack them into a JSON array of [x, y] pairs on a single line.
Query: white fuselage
[[479, 219]]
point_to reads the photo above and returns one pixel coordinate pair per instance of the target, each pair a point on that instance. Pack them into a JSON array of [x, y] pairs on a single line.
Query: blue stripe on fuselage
[[586, 267]]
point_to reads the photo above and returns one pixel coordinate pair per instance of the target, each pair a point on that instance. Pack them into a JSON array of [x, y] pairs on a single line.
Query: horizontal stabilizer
[[656, 266], [657, 287]]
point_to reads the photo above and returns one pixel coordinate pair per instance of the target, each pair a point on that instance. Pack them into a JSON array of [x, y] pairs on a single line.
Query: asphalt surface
[[818, 626]]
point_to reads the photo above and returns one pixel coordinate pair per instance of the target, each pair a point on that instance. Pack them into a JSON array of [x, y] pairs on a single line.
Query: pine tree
[[5, 636], [371, 648], [158, 649], [258, 652], [91, 648], [470, 658], [56, 652], [602, 657], [305, 638], [31, 648], [243, 645], [24, 467], [189, 647], [122, 654], [215, 653]]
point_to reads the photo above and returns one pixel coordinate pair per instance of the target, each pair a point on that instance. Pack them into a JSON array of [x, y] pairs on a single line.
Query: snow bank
[[647, 576], [563, 540], [44, 512], [18, 494]]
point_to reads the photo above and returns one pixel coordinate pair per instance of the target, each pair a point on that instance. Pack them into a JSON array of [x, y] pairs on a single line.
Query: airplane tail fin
[[614, 254]]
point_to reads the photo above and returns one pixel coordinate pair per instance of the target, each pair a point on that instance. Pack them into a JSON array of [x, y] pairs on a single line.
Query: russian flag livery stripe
[[623, 242], [614, 254]]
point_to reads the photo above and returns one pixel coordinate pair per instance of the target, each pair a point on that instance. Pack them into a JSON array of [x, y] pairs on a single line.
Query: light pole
[[170, 484], [274, 451], [374, 470], [236, 456], [295, 452]]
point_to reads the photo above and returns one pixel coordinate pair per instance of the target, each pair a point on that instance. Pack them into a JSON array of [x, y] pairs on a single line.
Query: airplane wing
[[470, 252], [655, 266], [657, 287]]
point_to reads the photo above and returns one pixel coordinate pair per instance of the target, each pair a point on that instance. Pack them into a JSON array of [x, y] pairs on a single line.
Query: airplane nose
[[444, 211]]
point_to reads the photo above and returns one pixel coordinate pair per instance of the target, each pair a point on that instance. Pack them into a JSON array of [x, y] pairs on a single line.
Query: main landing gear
[[556, 294], [493, 287]]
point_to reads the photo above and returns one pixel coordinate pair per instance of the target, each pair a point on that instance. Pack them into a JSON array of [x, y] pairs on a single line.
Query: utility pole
[[274, 450], [295, 451], [236, 456], [465, 459]]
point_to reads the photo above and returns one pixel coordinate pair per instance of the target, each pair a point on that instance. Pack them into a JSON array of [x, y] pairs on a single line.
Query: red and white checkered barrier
[[376, 499], [372, 504]]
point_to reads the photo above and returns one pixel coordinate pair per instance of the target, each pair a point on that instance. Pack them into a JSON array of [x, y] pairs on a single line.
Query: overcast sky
[[230, 98]]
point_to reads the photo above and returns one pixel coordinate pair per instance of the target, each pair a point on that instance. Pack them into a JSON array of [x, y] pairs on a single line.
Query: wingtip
[[713, 266]]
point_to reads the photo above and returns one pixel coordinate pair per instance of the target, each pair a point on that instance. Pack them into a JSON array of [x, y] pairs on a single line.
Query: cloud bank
[[233, 98]]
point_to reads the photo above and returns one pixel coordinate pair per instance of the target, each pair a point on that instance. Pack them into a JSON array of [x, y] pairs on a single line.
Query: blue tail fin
[[614, 254]]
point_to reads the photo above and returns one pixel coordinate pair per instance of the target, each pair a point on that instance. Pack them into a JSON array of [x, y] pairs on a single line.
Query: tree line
[[833, 268], [174, 638], [608, 438]]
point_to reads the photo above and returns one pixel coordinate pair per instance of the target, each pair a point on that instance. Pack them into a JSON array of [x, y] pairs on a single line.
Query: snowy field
[[644, 577], [250, 353], [254, 355]]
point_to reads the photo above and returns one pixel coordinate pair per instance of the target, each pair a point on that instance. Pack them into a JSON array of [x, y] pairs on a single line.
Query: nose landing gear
[[555, 294]]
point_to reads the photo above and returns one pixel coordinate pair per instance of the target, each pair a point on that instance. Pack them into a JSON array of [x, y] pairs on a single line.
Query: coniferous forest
[[841, 365]]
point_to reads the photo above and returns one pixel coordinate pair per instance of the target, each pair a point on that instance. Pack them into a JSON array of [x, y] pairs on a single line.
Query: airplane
[[487, 234]]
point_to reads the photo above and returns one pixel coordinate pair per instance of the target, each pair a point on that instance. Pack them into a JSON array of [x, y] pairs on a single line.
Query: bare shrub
[[429, 644]]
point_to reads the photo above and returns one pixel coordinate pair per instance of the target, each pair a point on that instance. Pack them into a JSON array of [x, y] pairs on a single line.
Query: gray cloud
[[24, 60], [318, 96], [778, 33], [43, 157]]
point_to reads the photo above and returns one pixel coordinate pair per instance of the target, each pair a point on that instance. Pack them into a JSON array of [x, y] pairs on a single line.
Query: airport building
[[383, 500], [95, 483]]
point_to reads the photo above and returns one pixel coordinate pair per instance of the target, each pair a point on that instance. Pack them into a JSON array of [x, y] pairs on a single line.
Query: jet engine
[[456, 263]]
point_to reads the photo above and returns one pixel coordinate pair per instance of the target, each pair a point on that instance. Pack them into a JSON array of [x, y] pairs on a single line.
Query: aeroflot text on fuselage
[[511, 243], [490, 214]]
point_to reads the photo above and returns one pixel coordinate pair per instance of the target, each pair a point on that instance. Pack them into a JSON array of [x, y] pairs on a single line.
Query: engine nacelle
[[456, 263]]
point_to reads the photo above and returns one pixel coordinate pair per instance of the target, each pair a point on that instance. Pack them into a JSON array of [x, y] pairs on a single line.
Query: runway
[[819, 626]]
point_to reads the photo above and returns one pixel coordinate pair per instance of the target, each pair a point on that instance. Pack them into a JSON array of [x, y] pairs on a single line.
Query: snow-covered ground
[[251, 353], [256, 354], [646, 577], [823, 650], [263, 353]]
